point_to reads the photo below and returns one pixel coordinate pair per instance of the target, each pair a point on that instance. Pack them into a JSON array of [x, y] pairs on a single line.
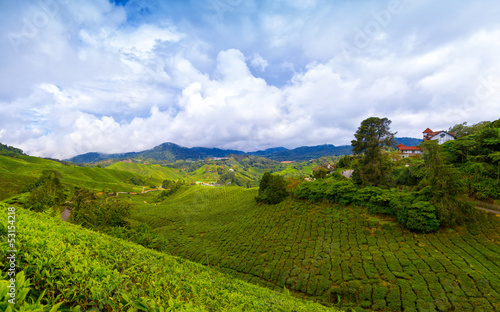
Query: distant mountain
[[95, 157], [268, 151], [216, 152], [167, 152], [304, 153], [170, 152], [408, 141]]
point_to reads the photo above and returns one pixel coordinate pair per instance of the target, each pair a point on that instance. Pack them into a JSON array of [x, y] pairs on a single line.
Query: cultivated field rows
[[334, 254]]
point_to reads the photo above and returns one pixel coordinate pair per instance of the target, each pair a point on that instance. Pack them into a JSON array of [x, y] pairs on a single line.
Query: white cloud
[[96, 78], [257, 61]]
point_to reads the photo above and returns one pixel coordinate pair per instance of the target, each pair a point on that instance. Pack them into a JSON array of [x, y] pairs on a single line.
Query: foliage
[[371, 137], [75, 269], [46, 192], [462, 130], [11, 151], [344, 162], [170, 188], [93, 212], [320, 173], [443, 187], [136, 181], [476, 157], [272, 189], [414, 214], [334, 254], [420, 217]]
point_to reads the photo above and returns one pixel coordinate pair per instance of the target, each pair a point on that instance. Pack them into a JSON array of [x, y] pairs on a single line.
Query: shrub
[[272, 189], [421, 217]]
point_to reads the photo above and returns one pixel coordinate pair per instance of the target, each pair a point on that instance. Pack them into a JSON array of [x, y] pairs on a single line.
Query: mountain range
[[170, 152]]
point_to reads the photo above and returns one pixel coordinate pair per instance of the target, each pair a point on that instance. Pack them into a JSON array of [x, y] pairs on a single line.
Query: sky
[[121, 76]]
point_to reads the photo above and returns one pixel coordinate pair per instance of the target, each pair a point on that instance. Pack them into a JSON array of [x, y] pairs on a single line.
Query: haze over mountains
[[172, 152]]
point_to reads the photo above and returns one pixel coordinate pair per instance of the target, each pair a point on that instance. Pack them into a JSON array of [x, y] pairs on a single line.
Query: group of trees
[[469, 165], [48, 192], [272, 189], [170, 187], [93, 212]]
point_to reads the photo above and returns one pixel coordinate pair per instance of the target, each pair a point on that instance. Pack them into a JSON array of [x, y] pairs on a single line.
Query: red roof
[[401, 147], [428, 131]]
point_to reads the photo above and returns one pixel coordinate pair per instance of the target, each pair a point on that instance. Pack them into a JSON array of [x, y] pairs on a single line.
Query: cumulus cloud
[[110, 78]]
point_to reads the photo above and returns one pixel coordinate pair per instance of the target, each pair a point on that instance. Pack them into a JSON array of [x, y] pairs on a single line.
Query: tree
[[461, 130], [272, 189], [372, 137], [443, 186], [320, 173], [47, 191], [264, 182], [93, 212]]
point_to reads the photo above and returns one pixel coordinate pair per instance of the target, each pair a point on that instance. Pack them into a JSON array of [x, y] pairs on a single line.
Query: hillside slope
[[338, 255], [17, 172], [78, 267]]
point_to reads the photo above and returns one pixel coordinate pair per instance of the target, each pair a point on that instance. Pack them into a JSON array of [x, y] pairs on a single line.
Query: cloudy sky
[[82, 76]]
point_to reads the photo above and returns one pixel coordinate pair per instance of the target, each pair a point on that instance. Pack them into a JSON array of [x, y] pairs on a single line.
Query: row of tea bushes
[[81, 270]]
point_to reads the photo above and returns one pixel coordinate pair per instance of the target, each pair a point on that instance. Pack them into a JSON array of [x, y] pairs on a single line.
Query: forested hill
[[170, 152], [6, 150]]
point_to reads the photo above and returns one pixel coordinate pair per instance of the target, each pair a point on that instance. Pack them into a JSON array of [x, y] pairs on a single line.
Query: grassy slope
[[16, 172], [248, 169], [76, 266], [156, 172], [330, 252]]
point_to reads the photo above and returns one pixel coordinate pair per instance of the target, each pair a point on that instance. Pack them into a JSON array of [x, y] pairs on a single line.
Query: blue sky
[[243, 74]]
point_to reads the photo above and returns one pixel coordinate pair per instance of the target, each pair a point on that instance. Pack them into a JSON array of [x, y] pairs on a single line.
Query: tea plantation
[[17, 172], [333, 254], [63, 267]]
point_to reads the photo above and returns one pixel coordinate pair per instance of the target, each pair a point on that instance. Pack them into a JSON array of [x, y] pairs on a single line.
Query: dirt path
[[489, 210], [65, 214], [487, 207]]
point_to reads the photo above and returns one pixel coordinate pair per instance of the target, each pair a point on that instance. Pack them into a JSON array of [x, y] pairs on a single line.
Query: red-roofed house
[[440, 136], [408, 151]]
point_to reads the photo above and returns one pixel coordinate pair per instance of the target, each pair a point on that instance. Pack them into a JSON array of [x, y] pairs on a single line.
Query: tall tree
[[272, 189], [443, 186], [371, 138], [47, 191]]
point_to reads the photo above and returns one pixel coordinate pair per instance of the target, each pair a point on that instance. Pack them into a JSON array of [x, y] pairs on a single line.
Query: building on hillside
[[441, 136], [407, 151], [329, 168]]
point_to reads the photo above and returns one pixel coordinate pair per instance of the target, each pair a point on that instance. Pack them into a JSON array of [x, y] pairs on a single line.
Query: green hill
[[335, 254], [82, 270], [156, 173], [17, 172]]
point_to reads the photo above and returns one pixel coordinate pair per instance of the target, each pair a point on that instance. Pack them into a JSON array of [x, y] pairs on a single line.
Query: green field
[[247, 169], [155, 173], [333, 254], [17, 172], [87, 271]]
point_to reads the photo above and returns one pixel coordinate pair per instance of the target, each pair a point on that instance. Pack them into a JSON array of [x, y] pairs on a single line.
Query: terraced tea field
[[336, 255], [75, 269], [16, 173]]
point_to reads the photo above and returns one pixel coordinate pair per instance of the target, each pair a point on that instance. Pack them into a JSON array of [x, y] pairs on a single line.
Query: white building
[[440, 136], [407, 151]]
